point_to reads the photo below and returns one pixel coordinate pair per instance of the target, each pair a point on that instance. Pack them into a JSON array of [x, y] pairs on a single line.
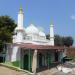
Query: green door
[[49, 60], [40, 60], [25, 62], [56, 56]]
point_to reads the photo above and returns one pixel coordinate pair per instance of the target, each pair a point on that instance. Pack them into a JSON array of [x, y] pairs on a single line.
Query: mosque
[[32, 49]]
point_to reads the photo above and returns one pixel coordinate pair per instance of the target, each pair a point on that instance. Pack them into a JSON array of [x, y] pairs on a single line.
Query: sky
[[41, 12]]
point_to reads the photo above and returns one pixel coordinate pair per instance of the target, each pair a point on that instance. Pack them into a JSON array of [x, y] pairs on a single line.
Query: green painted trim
[[48, 60], [30, 60], [21, 8], [21, 59], [51, 22]]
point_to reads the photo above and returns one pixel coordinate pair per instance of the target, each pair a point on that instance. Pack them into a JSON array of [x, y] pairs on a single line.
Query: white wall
[[15, 54]]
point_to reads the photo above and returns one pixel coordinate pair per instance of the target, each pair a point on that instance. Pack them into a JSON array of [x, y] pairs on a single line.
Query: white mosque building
[[31, 48]]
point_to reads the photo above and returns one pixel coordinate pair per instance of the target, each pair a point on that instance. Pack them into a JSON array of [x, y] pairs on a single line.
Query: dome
[[41, 33], [32, 29]]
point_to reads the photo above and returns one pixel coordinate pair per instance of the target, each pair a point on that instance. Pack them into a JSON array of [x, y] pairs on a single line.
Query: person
[[63, 60]]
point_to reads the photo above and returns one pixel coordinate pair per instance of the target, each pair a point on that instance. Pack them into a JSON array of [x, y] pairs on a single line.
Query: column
[[34, 62]]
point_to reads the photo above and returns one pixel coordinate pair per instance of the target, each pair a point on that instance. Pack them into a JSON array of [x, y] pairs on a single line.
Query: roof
[[43, 47]]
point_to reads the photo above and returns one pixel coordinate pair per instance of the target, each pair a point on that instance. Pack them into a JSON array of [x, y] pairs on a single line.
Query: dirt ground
[[8, 71], [53, 71]]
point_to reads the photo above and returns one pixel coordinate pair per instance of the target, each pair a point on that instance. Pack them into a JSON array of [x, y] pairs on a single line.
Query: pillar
[[34, 62]]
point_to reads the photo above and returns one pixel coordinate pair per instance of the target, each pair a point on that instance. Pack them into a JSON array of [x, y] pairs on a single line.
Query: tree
[[7, 25], [58, 40], [68, 41], [48, 36], [62, 41]]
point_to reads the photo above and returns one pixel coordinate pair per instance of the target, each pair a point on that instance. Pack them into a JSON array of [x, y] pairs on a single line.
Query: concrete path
[[61, 73], [48, 72]]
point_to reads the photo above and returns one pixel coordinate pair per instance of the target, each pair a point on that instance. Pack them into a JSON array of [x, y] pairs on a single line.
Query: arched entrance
[[56, 56], [40, 60], [25, 63]]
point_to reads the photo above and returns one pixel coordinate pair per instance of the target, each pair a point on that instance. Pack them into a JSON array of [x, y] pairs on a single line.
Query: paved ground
[[55, 72], [48, 72], [61, 73], [68, 65]]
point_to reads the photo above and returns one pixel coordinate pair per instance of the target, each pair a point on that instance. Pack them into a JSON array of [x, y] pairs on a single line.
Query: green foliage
[[58, 40], [72, 57], [8, 63], [68, 41], [1, 45], [7, 25], [62, 41], [48, 36], [15, 63]]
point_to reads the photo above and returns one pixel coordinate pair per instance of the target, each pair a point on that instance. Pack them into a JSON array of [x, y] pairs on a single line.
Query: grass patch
[[10, 65], [13, 64], [72, 57]]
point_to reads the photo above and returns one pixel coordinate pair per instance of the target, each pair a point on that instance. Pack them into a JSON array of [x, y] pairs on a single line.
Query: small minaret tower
[[52, 33], [19, 29], [20, 17]]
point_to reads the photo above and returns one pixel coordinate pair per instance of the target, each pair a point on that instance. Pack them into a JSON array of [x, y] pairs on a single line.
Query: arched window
[[28, 37]]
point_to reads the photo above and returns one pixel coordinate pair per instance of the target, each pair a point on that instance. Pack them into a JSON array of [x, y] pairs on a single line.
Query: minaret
[[52, 34], [20, 17], [15, 56], [19, 29]]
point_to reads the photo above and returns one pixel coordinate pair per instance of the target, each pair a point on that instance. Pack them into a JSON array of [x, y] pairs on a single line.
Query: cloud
[[72, 17]]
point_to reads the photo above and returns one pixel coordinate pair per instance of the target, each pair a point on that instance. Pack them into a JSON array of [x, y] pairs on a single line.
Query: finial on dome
[[51, 22], [20, 10], [20, 7]]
